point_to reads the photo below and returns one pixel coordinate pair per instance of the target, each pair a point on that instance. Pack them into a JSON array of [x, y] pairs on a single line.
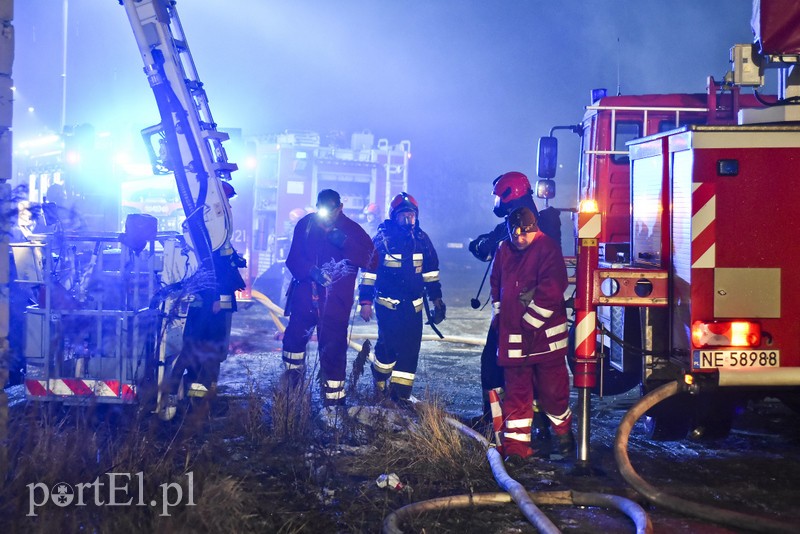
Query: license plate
[[712, 359]]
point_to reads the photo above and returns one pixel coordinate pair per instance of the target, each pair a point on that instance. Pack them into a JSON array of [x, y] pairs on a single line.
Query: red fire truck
[[282, 176], [683, 269]]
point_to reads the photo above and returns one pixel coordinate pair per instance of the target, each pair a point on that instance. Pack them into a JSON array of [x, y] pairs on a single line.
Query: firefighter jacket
[[338, 252], [528, 297], [405, 265]]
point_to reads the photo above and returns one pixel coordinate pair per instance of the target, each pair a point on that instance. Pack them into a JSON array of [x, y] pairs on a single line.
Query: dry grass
[[255, 467], [291, 411]]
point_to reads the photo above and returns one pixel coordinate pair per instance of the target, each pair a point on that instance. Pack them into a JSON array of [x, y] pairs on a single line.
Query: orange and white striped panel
[[77, 387], [704, 216], [589, 225], [585, 333]]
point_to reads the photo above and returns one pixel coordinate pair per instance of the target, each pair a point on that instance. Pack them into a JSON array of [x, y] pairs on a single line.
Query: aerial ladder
[[185, 143]]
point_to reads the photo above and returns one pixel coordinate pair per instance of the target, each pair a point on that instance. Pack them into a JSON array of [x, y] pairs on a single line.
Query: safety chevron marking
[[589, 226], [704, 222], [585, 333], [76, 387]]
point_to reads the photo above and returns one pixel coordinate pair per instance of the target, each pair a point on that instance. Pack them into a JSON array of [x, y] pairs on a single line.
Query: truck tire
[[614, 382], [671, 419], [715, 413]]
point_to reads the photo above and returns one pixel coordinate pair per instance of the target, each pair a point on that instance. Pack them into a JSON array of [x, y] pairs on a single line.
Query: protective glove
[[482, 247], [238, 261], [439, 311], [319, 277], [526, 298], [366, 311], [336, 237]]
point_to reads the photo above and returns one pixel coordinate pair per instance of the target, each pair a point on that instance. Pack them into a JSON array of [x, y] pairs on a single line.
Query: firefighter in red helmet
[[328, 248], [404, 272], [511, 190], [528, 282], [371, 218]]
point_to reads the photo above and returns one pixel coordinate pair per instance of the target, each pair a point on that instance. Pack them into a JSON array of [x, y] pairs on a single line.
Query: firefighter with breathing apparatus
[[403, 274]]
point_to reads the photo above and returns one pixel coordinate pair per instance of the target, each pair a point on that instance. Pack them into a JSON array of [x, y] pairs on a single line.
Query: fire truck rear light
[[726, 334], [588, 206]]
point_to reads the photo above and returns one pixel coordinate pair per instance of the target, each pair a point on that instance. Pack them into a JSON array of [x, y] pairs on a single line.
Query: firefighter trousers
[[552, 382], [329, 313], [397, 348]]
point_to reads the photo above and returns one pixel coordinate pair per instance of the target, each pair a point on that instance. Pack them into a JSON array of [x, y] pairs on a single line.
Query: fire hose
[[514, 491], [736, 520]]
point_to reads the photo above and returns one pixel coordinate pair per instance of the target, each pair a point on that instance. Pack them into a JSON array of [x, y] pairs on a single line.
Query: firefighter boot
[[541, 425], [565, 444]]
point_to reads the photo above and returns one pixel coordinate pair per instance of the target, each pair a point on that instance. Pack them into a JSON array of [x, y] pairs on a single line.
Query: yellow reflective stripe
[[334, 384], [533, 321], [519, 423], [417, 304], [515, 338], [417, 259], [384, 368], [402, 378], [392, 260], [292, 366], [544, 312], [516, 436], [515, 353], [401, 381], [430, 276], [387, 302], [560, 329], [335, 394], [558, 344], [293, 355]]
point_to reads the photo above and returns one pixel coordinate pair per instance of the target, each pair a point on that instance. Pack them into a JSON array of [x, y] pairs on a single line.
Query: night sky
[[472, 84]]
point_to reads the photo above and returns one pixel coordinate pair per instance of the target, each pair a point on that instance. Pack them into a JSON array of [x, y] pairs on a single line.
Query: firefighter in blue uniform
[[404, 271]]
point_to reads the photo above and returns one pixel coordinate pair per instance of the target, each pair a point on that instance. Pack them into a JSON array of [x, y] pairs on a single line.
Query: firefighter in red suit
[[404, 272], [327, 251], [528, 281]]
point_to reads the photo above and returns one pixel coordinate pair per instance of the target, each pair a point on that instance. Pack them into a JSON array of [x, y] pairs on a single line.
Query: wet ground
[[754, 470]]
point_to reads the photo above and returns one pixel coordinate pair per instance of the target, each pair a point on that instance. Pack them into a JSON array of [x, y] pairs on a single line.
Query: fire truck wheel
[[614, 382], [671, 419], [714, 416]]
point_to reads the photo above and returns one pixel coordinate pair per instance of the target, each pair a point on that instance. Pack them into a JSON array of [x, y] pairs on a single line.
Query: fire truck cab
[[683, 270]]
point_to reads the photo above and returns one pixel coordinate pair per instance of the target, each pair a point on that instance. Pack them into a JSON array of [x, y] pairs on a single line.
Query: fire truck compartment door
[[747, 293]]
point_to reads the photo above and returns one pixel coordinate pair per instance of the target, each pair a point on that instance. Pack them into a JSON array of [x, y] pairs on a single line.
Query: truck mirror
[[547, 157], [546, 189]]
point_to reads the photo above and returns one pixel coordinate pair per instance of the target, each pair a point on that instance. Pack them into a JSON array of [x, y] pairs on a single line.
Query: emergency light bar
[[727, 334]]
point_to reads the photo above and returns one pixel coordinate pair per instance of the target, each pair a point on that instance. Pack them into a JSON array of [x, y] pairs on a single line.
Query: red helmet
[[511, 186], [296, 214], [371, 208], [403, 202]]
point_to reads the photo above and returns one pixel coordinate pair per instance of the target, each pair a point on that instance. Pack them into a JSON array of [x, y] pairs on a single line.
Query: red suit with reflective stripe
[[326, 308], [528, 294]]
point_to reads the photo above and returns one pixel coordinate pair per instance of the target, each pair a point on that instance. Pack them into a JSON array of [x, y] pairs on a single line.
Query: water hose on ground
[[736, 520], [516, 493], [515, 490]]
